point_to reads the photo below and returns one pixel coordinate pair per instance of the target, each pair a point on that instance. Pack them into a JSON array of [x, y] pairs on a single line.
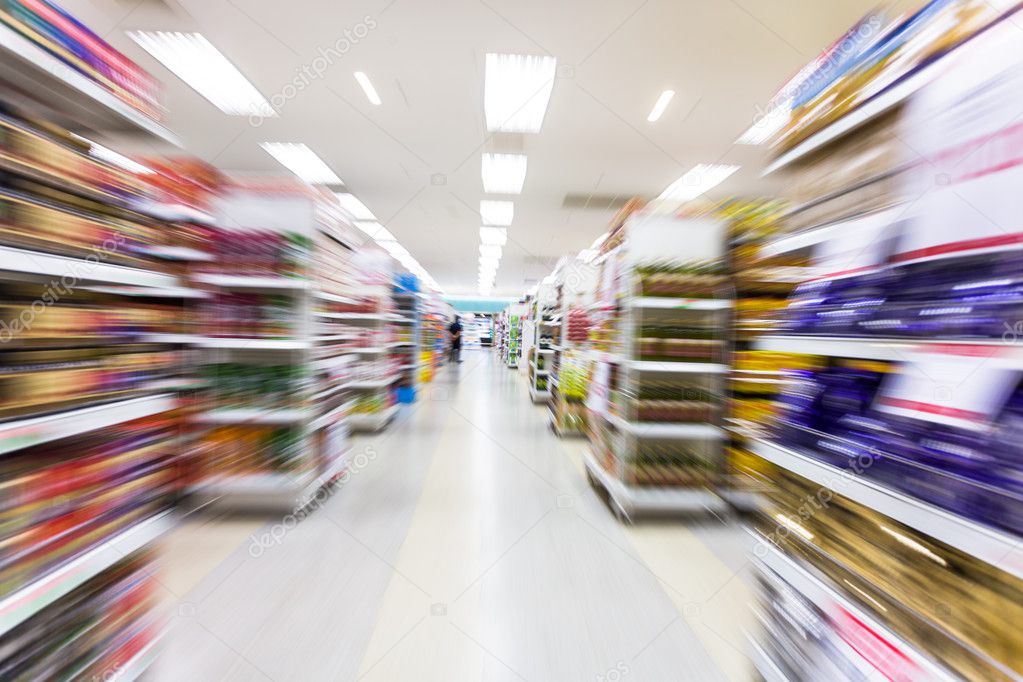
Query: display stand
[[545, 332], [656, 398], [575, 281]]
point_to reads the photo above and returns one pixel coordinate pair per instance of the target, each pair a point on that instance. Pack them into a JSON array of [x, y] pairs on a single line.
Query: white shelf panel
[[16, 263], [832, 601], [678, 367], [328, 418], [767, 668], [657, 303], [76, 100], [179, 292], [180, 253], [326, 364], [824, 233], [374, 350], [880, 348], [334, 298], [640, 499], [359, 317], [40, 593], [667, 430], [999, 549], [253, 416], [252, 344], [254, 282], [23, 433], [375, 383], [372, 421]]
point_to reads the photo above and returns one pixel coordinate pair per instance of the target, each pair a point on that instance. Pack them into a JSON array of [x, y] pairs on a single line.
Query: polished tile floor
[[466, 545]]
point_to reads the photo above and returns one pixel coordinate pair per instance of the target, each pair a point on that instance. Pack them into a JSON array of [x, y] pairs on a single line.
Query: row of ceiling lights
[[516, 91], [197, 62]]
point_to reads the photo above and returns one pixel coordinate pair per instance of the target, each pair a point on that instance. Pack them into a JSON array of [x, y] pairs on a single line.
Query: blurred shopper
[[455, 330]]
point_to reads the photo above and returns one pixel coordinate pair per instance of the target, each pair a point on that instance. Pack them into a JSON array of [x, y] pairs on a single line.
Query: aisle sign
[[966, 125]]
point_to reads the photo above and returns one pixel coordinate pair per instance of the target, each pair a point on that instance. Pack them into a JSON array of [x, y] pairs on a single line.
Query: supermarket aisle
[[466, 546]]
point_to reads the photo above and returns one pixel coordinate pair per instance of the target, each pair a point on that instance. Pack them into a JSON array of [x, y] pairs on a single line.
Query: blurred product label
[[876, 650], [860, 248], [958, 386], [966, 127], [600, 388]]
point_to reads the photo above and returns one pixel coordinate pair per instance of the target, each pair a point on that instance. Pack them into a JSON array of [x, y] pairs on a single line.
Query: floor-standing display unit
[[656, 397], [511, 335], [575, 281], [87, 434], [545, 329], [273, 346], [898, 456], [404, 346]]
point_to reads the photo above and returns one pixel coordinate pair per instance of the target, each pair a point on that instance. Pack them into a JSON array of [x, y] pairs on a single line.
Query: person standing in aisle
[[456, 339]]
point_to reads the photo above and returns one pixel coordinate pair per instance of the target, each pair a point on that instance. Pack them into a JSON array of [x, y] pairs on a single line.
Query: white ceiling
[[415, 160]]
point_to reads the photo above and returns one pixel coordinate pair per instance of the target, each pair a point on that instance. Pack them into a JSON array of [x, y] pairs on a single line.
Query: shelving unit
[[82, 236], [545, 331], [405, 348], [511, 335], [655, 397], [300, 412], [903, 530]]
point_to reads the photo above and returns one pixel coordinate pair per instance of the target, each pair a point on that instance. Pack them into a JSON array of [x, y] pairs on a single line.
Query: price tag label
[[963, 386], [966, 124]]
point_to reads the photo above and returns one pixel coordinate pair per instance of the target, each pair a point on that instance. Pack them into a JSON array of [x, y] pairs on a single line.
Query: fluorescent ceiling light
[[504, 173], [660, 105], [587, 255], [516, 91], [494, 235], [195, 60], [698, 180], [351, 203], [765, 127], [367, 87], [375, 230], [549, 279], [497, 212], [301, 161], [489, 262], [490, 250]]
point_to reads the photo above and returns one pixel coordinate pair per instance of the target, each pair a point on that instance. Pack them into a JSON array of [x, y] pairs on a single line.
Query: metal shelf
[[667, 430], [15, 263], [23, 433], [678, 367], [71, 98], [41, 592], [254, 416], [997, 548], [251, 344], [657, 303], [268, 283]]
